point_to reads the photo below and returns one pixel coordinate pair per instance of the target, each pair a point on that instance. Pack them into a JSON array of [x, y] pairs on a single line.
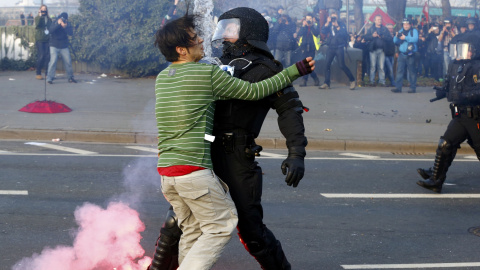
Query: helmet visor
[[226, 29], [465, 51], [452, 49]]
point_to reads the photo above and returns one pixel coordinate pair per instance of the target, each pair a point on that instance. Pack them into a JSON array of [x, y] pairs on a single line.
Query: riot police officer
[[462, 89], [243, 32]]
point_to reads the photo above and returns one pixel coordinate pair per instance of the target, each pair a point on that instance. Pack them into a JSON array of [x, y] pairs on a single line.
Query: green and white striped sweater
[[185, 95]]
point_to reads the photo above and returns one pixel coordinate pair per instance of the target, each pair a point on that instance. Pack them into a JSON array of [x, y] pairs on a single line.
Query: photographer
[[448, 32], [434, 53], [59, 31], [377, 36], [406, 40], [42, 37], [337, 38], [282, 35], [308, 43]]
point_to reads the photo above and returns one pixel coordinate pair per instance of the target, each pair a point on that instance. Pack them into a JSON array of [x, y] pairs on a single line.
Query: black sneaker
[[72, 80], [395, 90], [412, 91], [50, 82]]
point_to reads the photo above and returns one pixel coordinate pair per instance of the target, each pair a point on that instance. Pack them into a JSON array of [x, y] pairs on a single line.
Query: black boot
[[166, 253], [316, 81], [271, 258], [425, 173], [443, 158]]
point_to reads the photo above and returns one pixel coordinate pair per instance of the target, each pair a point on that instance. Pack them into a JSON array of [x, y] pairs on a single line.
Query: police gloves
[[440, 93], [294, 167]]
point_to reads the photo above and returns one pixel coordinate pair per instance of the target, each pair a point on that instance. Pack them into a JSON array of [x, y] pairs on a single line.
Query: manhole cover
[[474, 231]]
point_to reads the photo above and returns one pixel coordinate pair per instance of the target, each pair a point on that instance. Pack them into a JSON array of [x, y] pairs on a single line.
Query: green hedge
[[119, 35]]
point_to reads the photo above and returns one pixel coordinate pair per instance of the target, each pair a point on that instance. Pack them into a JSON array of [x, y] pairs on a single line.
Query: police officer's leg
[[166, 252], [454, 136], [244, 178]]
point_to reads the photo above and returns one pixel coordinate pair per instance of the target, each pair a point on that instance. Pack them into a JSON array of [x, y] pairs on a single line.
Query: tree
[[120, 34], [396, 10], [358, 14], [446, 8]]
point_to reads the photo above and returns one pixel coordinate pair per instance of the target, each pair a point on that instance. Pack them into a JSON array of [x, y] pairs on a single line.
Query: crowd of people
[[422, 52]]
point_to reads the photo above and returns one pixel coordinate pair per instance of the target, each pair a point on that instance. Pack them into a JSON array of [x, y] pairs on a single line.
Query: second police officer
[[462, 89]]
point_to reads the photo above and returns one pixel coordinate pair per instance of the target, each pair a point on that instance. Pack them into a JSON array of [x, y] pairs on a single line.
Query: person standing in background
[[42, 38]]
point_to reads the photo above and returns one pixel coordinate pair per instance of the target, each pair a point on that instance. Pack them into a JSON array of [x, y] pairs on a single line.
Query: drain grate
[[474, 230]]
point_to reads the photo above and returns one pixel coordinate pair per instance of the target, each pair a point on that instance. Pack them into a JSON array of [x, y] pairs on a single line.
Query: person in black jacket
[[236, 125], [59, 32], [434, 53], [377, 37], [337, 37], [283, 32]]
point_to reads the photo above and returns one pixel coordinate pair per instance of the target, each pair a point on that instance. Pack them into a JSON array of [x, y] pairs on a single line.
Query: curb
[[404, 148]]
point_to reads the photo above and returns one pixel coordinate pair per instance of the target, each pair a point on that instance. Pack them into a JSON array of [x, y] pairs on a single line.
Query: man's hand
[[306, 66], [294, 167]]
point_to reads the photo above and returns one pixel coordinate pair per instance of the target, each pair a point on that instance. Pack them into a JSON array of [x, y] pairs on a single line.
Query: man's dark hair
[[175, 34]]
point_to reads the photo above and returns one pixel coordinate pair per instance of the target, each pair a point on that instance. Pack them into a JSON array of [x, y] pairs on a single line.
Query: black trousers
[[339, 53], [244, 179], [464, 128], [43, 56]]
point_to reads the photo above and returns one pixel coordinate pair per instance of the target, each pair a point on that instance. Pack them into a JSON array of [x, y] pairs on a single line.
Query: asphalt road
[[351, 211]]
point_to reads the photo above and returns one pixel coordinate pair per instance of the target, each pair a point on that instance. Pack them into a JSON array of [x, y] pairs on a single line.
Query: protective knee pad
[[444, 146]]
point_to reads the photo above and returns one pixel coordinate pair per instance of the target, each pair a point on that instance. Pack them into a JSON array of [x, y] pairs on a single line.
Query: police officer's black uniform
[[236, 124], [462, 89]]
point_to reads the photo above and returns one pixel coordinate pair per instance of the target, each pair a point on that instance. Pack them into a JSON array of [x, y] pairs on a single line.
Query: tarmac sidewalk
[[113, 109]]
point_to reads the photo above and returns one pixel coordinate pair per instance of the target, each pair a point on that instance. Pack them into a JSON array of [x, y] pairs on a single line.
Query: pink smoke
[[106, 239]]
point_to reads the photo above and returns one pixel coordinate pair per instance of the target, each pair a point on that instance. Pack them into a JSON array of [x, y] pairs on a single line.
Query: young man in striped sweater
[[185, 95]]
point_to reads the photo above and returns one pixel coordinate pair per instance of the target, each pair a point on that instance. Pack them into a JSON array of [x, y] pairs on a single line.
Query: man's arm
[[225, 86]]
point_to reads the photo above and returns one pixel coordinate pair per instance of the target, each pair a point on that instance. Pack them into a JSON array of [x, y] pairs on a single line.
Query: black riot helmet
[[467, 46], [252, 28]]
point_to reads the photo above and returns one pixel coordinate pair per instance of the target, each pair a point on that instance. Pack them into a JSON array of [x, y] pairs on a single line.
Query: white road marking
[[359, 155], [13, 192], [272, 155], [62, 148], [400, 196], [411, 266], [141, 148], [471, 157]]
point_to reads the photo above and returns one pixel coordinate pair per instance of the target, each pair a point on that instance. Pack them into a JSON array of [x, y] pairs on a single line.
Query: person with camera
[[406, 40], [59, 31], [377, 37], [434, 54], [42, 37], [308, 44], [448, 32], [282, 33], [337, 38]]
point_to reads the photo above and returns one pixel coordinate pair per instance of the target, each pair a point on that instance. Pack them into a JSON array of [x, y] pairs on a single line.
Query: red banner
[[385, 18], [425, 11]]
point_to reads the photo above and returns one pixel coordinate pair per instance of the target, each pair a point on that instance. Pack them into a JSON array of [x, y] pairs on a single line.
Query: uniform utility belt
[[466, 111], [231, 140]]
